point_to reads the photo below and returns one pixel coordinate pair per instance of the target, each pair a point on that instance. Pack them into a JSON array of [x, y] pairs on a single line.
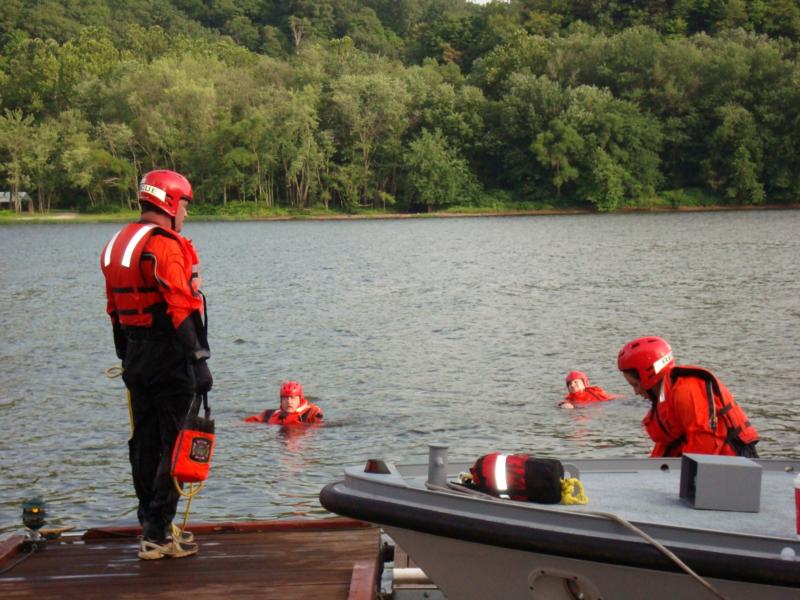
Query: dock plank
[[308, 563]]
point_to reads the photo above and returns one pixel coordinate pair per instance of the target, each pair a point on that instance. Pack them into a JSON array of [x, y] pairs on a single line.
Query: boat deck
[[647, 491], [653, 497], [321, 559]]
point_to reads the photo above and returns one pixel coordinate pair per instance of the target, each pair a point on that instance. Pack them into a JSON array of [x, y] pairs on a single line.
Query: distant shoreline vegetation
[[248, 215], [374, 107]]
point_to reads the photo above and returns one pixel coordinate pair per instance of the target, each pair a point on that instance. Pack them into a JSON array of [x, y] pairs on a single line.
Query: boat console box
[[721, 482], [636, 538]]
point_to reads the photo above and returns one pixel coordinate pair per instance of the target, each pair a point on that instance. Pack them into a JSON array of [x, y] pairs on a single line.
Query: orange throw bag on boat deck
[[518, 477], [191, 455]]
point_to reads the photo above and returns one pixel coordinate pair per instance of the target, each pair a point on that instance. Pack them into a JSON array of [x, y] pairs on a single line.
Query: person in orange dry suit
[[157, 317], [690, 409], [294, 409], [581, 393]]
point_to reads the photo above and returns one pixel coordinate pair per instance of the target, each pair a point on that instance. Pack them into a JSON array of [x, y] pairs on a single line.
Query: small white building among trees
[[22, 202]]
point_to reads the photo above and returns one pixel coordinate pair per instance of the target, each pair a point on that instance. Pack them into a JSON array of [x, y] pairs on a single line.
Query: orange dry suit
[[589, 395], [306, 413], [695, 412]]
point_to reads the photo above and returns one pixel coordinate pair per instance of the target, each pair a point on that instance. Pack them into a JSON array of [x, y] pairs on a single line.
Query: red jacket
[[307, 414], [147, 266], [685, 419], [589, 395]]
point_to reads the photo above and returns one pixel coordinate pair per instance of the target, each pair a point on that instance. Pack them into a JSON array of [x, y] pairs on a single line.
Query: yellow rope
[[130, 411], [194, 489], [112, 373], [572, 492]]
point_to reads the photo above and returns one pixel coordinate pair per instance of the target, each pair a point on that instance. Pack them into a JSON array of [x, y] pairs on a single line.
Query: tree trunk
[[15, 196], [296, 25]]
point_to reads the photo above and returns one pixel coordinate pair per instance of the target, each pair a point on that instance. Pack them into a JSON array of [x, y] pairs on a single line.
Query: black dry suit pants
[[161, 384]]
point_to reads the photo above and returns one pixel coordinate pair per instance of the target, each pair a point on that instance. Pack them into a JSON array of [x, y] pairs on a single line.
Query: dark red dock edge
[[284, 559]]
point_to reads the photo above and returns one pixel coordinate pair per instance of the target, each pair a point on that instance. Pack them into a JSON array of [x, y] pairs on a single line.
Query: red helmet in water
[[573, 375], [164, 190], [291, 388], [651, 358]]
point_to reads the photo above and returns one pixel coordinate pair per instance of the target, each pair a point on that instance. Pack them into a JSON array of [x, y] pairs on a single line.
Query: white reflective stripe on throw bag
[[500, 480]]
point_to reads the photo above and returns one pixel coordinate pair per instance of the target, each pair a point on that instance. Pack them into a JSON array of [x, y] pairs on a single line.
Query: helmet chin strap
[[656, 392]]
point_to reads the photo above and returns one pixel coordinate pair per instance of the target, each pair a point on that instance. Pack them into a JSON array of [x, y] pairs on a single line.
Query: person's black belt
[[144, 333]]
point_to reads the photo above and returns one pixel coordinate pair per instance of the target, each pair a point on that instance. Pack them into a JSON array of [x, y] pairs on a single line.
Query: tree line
[[408, 105]]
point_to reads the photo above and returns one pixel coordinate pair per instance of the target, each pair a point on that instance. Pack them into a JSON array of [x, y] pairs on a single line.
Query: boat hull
[[469, 571], [477, 547]]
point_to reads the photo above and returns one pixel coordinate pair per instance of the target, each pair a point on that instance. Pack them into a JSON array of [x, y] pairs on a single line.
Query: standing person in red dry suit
[[156, 310]]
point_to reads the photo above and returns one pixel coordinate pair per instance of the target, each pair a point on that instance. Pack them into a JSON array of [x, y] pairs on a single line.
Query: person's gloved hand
[[202, 377], [120, 341]]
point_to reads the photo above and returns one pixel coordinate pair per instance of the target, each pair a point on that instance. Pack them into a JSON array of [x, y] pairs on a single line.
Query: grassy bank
[[673, 200]]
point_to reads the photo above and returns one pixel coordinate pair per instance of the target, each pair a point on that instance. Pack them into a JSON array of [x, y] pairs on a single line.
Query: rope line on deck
[[19, 560], [663, 549], [612, 517]]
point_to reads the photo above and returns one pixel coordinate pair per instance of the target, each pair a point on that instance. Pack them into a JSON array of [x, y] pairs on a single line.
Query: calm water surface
[[406, 332]]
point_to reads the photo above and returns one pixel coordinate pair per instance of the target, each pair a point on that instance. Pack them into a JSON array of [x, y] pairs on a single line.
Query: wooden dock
[[298, 559]]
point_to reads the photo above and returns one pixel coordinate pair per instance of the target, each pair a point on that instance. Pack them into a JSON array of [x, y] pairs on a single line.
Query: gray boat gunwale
[[400, 499]]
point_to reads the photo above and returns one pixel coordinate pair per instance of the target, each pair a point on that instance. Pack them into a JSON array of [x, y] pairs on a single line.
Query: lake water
[[406, 332]]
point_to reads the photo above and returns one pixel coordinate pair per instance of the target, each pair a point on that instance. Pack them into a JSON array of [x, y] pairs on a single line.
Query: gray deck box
[[721, 482]]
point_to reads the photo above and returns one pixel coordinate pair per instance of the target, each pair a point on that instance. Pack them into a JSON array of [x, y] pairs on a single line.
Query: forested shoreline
[[402, 105]]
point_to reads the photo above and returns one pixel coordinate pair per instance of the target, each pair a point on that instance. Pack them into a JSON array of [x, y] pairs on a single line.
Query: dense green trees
[[580, 141], [406, 103], [437, 174]]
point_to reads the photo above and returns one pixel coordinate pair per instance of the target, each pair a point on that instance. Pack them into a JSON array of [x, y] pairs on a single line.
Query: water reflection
[[591, 428], [295, 438]]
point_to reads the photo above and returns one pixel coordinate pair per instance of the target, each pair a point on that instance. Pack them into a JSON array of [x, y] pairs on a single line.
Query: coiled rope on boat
[[572, 491]]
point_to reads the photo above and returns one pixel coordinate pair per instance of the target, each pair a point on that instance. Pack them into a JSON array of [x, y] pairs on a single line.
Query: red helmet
[[573, 375], [291, 388], [651, 358], [164, 190]]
